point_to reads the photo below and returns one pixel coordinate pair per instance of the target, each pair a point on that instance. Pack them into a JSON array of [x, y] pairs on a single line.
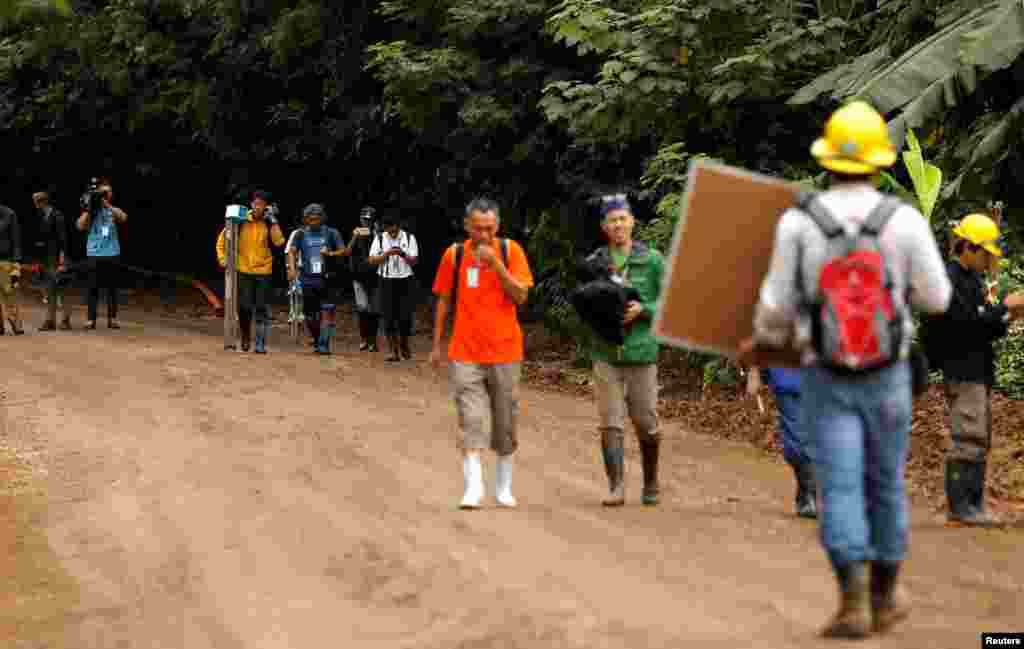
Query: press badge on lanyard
[[105, 230], [472, 277], [317, 266]]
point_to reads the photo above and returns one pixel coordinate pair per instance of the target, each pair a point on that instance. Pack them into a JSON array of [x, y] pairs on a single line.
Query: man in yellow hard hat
[[836, 291], [961, 344]]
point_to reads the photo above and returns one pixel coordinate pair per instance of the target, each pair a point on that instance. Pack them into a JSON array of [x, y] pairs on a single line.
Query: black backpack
[[601, 302], [454, 301]]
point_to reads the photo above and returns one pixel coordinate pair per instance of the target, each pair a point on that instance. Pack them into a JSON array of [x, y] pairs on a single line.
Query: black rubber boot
[[613, 451], [982, 517], [372, 328], [965, 490], [403, 346], [888, 605], [978, 491], [364, 335], [806, 490], [853, 621], [245, 333], [649, 456], [394, 357], [16, 327]]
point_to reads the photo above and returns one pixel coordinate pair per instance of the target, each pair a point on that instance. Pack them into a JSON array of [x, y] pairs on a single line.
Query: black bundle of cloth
[[600, 301]]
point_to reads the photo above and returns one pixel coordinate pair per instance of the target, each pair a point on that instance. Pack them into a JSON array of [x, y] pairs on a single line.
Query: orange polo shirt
[[486, 323]]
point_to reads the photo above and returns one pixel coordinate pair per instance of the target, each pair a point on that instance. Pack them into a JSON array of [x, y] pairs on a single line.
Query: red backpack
[[857, 325]]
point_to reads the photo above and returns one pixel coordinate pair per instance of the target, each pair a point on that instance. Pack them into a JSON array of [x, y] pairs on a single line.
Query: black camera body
[[92, 199]]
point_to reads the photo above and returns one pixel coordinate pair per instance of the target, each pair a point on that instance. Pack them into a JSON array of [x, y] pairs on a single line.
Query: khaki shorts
[[483, 392], [631, 390], [7, 291]]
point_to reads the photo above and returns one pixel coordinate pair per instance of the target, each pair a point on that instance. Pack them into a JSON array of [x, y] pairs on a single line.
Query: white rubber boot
[[473, 473], [503, 481]]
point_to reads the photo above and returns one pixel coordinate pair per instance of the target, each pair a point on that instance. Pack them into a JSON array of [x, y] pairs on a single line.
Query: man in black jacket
[[10, 269], [52, 249], [960, 343]]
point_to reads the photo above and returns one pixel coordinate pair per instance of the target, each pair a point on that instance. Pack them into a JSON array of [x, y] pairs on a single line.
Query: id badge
[[618, 279], [472, 277], [105, 231], [317, 266]]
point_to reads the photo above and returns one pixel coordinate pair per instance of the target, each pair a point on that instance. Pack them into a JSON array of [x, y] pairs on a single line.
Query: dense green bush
[[1010, 350]]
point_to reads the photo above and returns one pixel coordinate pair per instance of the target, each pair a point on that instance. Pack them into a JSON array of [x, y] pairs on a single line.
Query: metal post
[[230, 284]]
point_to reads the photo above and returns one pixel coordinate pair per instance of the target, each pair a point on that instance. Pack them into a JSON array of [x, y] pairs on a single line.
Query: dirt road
[[205, 500]]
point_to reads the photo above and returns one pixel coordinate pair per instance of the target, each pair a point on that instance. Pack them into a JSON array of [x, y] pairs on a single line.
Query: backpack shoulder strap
[[504, 251], [453, 297], [880, 215], [810, 203], [456, 269], [459, 251]]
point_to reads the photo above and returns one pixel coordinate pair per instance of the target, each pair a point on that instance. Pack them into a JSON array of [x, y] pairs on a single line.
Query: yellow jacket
[[254, 256]]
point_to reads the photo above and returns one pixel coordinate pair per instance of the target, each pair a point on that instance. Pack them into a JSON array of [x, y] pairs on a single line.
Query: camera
[[92, 199]]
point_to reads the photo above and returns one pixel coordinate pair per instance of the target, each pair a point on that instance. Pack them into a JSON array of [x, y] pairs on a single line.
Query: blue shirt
[[103, 240], [783, 380], [313, 263]]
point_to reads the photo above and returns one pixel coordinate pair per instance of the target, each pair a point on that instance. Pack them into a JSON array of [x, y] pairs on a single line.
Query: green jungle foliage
[[419, 105]]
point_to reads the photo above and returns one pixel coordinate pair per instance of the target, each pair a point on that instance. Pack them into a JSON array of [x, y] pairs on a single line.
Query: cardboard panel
[[720, 254]]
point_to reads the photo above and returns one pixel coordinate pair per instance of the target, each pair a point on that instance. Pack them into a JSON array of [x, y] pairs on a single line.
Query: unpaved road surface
[[206, 500]]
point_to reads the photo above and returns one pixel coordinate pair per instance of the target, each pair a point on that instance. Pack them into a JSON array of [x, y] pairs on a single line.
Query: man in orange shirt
[[483, 281]]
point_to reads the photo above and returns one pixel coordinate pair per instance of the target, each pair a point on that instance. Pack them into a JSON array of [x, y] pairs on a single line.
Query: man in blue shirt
[[103, 249], [314, 243], [785, 385]]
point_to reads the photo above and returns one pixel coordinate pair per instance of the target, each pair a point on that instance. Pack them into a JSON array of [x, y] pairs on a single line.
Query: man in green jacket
[[626, 377]]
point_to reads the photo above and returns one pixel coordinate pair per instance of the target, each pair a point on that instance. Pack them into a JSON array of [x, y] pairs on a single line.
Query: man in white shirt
[[394, 252]]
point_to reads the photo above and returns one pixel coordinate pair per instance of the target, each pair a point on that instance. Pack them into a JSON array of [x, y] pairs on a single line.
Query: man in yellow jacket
[[255, 264]]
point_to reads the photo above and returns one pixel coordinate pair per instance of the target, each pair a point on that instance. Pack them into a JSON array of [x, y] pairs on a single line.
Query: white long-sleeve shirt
[[781, 318]]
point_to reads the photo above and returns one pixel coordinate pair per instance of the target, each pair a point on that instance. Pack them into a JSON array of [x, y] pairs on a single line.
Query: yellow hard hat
[[856, 141], [981, 231]]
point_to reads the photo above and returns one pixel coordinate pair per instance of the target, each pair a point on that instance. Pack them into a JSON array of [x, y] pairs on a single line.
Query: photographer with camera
[[52, 249], [103, 248], [255, 265], [10, 269]]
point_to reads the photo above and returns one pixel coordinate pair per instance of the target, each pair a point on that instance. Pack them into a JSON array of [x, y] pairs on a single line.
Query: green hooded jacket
[[646, 267]]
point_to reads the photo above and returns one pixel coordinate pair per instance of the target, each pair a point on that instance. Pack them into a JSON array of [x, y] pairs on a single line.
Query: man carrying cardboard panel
[[843, 263]]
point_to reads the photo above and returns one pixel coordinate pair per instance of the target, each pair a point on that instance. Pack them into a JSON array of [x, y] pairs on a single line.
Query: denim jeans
[[860, 430], [795, 447]]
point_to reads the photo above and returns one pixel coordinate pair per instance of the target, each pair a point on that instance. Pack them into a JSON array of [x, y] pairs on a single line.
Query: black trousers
[[396, 299], [103, 275], [253, 293], [312, 300]]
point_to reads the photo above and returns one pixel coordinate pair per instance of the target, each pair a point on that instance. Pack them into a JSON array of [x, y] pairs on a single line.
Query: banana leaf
[[926, 177], [988, 145], [932, 76]]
